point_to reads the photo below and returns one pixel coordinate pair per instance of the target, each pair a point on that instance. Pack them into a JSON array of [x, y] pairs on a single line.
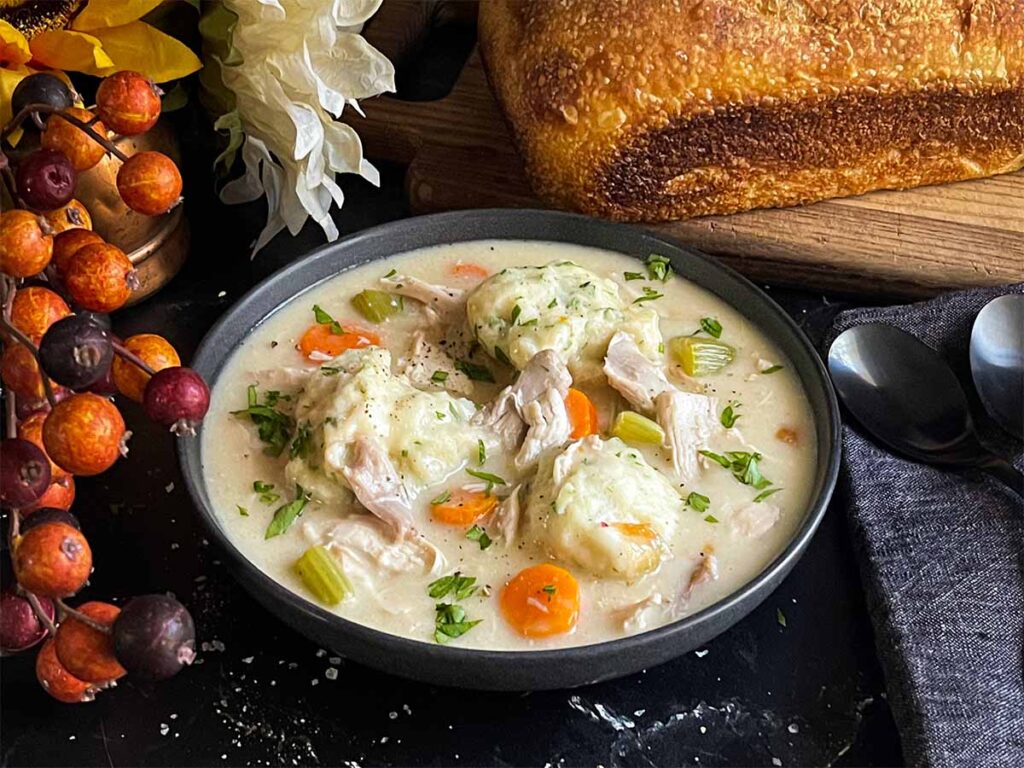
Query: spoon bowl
[[997, 361]]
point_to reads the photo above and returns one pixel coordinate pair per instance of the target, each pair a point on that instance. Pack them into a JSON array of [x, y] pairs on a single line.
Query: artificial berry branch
[[43, 617], [36, 110], [121, 351], [66, 610]]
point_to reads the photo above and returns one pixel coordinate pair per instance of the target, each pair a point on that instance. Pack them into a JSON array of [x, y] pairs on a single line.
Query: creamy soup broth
[[774, 419]]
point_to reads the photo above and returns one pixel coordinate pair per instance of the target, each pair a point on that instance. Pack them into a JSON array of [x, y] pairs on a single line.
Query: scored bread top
[[657, 109]]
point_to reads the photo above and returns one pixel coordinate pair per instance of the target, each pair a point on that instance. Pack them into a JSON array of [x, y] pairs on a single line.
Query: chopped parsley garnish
[[780, 617], [273, 426], [440, 415], [633, 275], [327, 370], [529, 323], [242, 510], [481, 452], [772, 369], [661, 347], [501, 356], [441, 499], [487, 477], [659, 267], [474, 372], [743, 465], [711, 327], [549, 589], [729, 415], [455, 584], [479, 535], [266, 491], [649, 295], [302, 445], [765, 494], [287, 514], [325, 319], [553, 303], [710, 519], [392, 273], [439, 376], [450, 622], [272, 396], [516, 312], [698, 501]]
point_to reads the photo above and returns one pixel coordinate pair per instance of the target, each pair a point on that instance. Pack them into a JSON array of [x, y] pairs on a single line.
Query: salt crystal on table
[[776, 761], [331, 673], [248, 659], [793, 728]]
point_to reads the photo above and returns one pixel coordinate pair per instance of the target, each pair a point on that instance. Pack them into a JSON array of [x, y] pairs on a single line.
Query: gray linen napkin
[[942, 560]]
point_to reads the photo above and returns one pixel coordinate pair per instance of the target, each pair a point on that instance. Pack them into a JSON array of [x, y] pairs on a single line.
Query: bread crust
[[663, 109]]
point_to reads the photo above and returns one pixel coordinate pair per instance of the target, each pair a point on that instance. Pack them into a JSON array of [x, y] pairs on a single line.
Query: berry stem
[[37, 609], [66, 610], [10, 287], [26, 342], [131, 357], [46, 109]]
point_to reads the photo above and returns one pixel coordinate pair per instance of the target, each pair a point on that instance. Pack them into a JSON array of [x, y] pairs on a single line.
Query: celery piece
[[634, 428], [322, 574], [701, 357], [377, 306]]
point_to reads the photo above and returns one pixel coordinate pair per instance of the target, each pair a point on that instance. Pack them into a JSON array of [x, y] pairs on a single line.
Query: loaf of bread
[[663, 109]]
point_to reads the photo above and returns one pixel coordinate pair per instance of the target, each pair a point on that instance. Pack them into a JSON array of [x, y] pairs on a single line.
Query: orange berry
[[85, 652], [25, 249], [541, 600], [60, 495], [35, 309], [52, 560], [149, 183], [83, 434], [155, 351], [57, 681], [128, 102], [67, 244], [20, 371], [31, 429], [99, 277], [319, 342], [82, 150], [74, 215]]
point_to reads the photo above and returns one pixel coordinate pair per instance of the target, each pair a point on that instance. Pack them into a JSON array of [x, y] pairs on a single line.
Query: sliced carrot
[[787, 435], [469, 270], [322, 339], [541, 600], [582, 414], [636, 530], [462, 507]]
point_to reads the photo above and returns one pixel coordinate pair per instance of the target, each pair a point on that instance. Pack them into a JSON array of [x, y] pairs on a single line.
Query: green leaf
[[455, 584], [439, 377], [479, 535], [780, 617], [711, 327], [765, 494], [710, 519], [242, 510], [729, 416], [659, 267], [772, 369], [273, 426], [549, 589], [481, 452], [649, 295], [633, 275], [717, 457], [516, 312], [441, 498], [302, 445], [474, 372], [325, 319], [698, 501], [266, 491], [450, 622], [501, 356], [486, 476], [287, 514]]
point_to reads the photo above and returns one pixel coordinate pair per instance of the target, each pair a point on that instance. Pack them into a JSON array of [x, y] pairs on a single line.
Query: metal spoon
[[997, 361], [905, 395]]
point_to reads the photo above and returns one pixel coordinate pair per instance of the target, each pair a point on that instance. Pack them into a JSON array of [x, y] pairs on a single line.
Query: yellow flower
[[105, 37]]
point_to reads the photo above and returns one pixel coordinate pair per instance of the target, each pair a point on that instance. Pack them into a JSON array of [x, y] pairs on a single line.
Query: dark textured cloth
[[942, 559]]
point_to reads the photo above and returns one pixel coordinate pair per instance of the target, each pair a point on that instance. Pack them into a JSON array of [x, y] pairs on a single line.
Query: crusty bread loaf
[[664, 109]]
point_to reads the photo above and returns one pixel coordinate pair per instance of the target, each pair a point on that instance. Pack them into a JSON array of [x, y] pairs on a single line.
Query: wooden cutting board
[[460, 154]]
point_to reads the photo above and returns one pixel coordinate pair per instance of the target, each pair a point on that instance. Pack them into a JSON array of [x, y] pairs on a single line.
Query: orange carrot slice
[[636, 530], [462, 507], [582, 414], [321, 339], [469, 270], [541, 600]]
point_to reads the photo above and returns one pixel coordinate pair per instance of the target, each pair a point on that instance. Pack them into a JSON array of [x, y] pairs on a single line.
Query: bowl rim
[[189, 451]]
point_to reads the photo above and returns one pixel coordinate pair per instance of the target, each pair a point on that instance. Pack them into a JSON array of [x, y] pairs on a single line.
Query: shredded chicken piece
[[503, 523], [755, 519], [377, 485], [529, 407], [285, 378], [367, 543], [440, 298], [425, 359], [706, 570], [634, 376], [642, 614], [688, 420]]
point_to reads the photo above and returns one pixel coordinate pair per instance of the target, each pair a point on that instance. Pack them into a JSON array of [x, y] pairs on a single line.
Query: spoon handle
[[1004, 472]]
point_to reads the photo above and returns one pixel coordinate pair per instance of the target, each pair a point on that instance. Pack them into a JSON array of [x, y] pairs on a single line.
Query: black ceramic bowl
[[518, 670]]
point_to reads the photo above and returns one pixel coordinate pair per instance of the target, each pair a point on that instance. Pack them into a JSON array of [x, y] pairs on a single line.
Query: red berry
[[24, 472], [154, 637], [46, 180], [57, 681], [60, 495], [99, 277], [128, 102], [35, 309], [177, 398], [67, 244], [53, 560], [149, 183], [153, 350], [82, 149], [25, 249], [84, 434], [85, 652], [20, 628]]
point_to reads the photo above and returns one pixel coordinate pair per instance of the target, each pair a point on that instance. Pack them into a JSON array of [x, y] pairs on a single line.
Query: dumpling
[[562, 307], [602, 507], [354, 400]]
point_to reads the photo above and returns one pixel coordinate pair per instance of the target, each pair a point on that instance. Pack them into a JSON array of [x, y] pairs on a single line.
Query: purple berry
[[46, 180], [20, 628], [154, 637], [24, 472]]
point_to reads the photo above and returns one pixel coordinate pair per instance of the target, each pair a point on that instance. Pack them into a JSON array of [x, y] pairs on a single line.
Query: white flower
[[302, 63]]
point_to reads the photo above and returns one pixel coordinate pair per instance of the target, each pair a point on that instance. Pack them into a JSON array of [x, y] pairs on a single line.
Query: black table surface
[[797, 682]]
